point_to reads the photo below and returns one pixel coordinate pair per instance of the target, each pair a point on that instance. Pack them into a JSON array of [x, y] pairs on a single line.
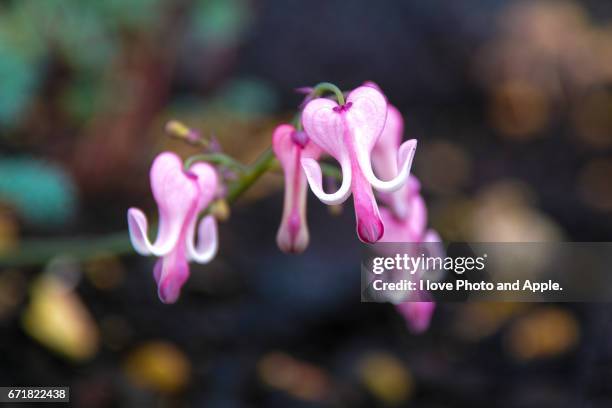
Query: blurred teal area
[[18, 80], [42, 193]]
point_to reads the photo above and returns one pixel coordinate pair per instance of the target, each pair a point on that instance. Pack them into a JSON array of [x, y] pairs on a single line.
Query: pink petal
[[176, 194], [396, 230], [283, 145], [417, 216], [171, 272], [207, 181], [138, 227], [417, 314], [315, 180], [207, 245], [372, 84], [292, 236], [364, 121], [384, 158], [325, 128], [206, 248], [432, 236], [370, 227], [366, 117], [405, 156], [384, 154], [411, 227]]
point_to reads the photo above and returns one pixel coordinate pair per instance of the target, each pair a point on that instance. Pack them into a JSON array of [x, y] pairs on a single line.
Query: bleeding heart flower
[[290, 146], [348, 133], [416, 310], [180, 196], [406, 219], [408, 225]]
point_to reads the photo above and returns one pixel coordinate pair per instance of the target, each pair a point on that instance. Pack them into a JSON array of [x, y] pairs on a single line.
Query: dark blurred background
[[511, 102]]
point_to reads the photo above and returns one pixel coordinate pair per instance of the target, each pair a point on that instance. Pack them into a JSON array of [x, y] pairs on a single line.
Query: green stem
[[263, 163], [297, 121], [39, 251], [323, 87], [318, 91], [215, 158]]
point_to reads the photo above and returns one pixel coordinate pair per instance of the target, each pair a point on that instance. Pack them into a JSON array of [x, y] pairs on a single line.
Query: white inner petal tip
[[315, 181], [138, 228], [405, 156], [208, 243]]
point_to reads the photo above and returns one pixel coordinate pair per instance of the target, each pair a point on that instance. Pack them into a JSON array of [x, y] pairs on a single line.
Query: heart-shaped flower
[[180, 196], [348, 133]]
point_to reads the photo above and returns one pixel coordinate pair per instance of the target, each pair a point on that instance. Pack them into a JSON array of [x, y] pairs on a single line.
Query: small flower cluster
[[363, 133]]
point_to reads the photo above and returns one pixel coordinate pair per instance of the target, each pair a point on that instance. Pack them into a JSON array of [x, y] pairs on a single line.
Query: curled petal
[[206, 248], [404, 160], [138, 227], [315, 180]]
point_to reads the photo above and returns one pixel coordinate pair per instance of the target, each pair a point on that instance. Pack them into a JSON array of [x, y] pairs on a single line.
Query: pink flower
[[290, 147], [348, 133], [406, 218], [416, 314], [180, 196], [412, 228]]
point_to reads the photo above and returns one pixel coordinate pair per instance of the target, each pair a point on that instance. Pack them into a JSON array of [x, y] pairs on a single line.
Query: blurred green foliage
[[247, 97], [43, 194], [85, 35], [219, 22]]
